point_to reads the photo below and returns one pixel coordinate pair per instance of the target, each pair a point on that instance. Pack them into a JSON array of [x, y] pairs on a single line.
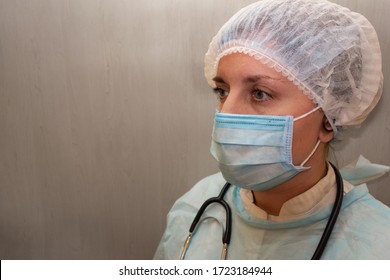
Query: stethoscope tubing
[[333, 216], [228, 228], [219, 199]]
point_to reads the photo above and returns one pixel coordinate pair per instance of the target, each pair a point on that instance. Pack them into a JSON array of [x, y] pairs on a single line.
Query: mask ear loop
[[318, 142], [306, 114], [312, 153]]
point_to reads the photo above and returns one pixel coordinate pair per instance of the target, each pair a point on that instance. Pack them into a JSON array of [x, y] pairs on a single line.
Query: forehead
[[240, 72], [239, 65]]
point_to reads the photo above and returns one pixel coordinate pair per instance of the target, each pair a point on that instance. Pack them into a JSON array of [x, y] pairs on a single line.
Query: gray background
[[105, 120]]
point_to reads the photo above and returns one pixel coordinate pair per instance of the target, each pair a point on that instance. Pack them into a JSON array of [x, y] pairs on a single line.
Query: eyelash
[[218, 92], [222, 94]]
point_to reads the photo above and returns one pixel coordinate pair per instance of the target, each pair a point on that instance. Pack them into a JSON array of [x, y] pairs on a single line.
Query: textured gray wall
[[105, 120]]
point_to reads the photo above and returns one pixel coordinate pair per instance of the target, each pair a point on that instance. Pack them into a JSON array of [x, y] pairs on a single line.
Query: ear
[[326, 131]]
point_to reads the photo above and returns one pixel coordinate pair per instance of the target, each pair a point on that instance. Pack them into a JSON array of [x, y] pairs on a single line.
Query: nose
[[234, 103]]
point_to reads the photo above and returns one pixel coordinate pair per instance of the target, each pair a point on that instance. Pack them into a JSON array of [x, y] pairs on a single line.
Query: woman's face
[[246, 86]]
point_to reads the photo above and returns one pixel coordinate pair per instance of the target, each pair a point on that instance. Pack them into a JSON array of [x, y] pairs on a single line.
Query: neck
[[271, 201]]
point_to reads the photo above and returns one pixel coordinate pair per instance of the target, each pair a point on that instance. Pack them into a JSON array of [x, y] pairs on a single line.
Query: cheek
[[305, 137]]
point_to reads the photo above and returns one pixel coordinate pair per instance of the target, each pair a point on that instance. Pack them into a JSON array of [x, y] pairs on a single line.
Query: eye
[[221, 93], [260, 96]]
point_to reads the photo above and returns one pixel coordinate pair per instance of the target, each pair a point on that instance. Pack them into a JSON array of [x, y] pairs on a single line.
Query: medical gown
[[361, 231]]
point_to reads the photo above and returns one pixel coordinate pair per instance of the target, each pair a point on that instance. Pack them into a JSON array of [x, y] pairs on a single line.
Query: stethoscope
[[228, 229]]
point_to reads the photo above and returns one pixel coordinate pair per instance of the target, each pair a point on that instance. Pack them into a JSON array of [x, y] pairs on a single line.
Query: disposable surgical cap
[[328, 51]]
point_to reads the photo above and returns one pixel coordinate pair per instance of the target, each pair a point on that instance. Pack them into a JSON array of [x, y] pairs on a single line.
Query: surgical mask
[[255, 151]]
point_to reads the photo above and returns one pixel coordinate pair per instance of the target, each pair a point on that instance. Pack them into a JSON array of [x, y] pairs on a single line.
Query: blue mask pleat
[[254, 151]]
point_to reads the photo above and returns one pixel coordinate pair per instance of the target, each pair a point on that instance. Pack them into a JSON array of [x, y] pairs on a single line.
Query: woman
[[289, 75]]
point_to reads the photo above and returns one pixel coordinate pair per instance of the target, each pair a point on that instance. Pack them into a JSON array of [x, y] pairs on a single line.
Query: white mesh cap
[[328, 51]]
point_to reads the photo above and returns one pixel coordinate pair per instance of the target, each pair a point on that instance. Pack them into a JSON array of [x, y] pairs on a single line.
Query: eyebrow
[[247, 80]]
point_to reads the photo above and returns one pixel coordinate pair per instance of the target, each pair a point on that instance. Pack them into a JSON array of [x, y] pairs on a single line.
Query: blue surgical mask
[[254, 151]]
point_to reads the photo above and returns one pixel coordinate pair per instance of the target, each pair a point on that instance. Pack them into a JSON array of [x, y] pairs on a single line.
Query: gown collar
[[308, 207]]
